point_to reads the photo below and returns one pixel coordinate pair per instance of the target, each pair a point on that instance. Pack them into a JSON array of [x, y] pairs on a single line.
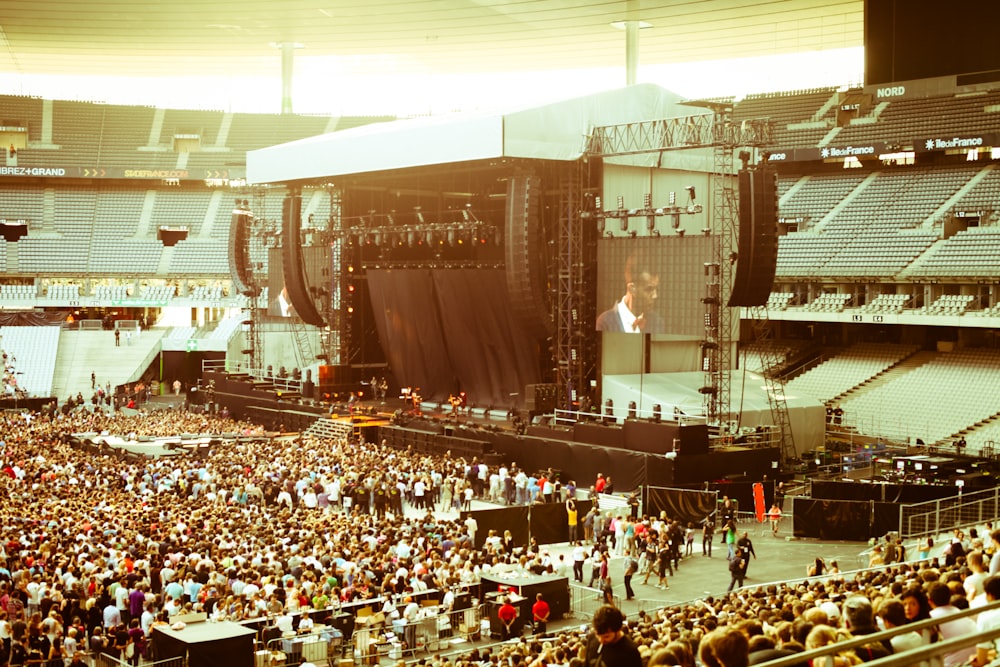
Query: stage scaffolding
[[718, 131]]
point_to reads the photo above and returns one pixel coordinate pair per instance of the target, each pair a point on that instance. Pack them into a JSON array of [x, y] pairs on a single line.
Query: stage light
[[631, 410], [657, 413]]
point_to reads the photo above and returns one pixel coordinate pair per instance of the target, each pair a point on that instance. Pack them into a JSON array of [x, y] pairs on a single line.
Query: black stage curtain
[[742, 493], [409, 328], [232, 652], [31, 318], [451, 330], [549, 521], [581, 462], [514, 519], [832, 519], [687, 506], [491, 356], [885, 519], [890, 493]]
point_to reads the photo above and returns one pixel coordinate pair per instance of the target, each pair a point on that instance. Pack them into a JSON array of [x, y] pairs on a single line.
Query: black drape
[[451, 330], [832, 519], [687, 506], [31, 318], [405, 314], [500, 519], [492, 356]]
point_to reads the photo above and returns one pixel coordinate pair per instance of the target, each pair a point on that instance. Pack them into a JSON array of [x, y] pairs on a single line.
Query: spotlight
[[691, 194], [680, 232]]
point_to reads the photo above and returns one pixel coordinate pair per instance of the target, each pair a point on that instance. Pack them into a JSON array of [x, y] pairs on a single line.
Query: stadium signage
[[826, 153], [952, 143], [890, 91], [846, 151], [115, 172], [33, 171], [156, 173]]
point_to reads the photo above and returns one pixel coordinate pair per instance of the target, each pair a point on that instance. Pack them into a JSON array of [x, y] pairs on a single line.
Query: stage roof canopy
[[555, 131]]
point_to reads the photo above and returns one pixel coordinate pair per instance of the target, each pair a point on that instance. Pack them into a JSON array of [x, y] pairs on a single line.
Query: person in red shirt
[[600, 483], [507, 615], [540, 614]]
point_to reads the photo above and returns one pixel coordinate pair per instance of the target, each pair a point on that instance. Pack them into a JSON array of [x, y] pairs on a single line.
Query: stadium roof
[[216, 37]]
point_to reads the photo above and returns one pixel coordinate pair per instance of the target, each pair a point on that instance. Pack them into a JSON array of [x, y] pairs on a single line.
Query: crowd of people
[[98, 549]]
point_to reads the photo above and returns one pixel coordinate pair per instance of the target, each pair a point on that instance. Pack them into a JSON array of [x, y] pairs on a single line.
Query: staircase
[[325, 427], [911, 363]]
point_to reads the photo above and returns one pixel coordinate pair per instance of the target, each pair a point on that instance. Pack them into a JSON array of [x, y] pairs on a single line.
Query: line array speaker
[[524, 254], [239, 253], [758, 240], [291, 260]]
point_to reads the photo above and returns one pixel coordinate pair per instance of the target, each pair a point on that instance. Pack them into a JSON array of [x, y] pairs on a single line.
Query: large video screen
[[652, 285]]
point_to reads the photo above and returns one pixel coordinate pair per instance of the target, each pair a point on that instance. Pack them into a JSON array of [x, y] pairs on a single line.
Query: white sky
[[326, 85]]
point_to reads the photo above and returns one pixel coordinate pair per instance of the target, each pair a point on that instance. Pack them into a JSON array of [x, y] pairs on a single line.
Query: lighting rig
[[624, 215], [457, 229]]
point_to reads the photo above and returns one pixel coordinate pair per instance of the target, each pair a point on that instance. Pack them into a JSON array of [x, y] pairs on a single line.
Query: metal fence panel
[[584, 601]]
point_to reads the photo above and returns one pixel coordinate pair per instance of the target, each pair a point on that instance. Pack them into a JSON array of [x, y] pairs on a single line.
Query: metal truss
[[575, 347], [685, 132], [773, 385], [718, 131]]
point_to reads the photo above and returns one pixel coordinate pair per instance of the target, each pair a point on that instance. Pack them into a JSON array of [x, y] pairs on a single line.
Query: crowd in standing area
[[97, 549]]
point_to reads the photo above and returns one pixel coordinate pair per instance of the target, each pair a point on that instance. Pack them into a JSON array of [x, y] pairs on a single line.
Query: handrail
[[907, 658]]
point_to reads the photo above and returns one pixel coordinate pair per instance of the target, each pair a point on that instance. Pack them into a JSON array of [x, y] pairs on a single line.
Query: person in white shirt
[[939, 595], [411, 613], [893, 615], [988, 620]]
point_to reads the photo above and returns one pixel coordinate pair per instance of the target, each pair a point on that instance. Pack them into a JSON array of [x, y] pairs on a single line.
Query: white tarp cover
[[554, 131]]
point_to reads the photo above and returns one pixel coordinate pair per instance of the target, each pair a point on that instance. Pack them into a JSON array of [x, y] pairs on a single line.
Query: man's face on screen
[[644, 293]]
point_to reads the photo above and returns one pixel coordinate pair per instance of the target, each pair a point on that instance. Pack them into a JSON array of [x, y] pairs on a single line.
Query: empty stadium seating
[[886, 303], [932, 402], [847, 370]]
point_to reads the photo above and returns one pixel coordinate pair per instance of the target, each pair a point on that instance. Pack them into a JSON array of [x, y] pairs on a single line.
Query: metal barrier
[[397, 639], [584, 601], [107, 660], [312, 647], [935, 517], [930, 654]]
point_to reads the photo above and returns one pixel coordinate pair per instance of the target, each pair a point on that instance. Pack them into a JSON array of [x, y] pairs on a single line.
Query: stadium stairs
[[328, 428], [911, 363]]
